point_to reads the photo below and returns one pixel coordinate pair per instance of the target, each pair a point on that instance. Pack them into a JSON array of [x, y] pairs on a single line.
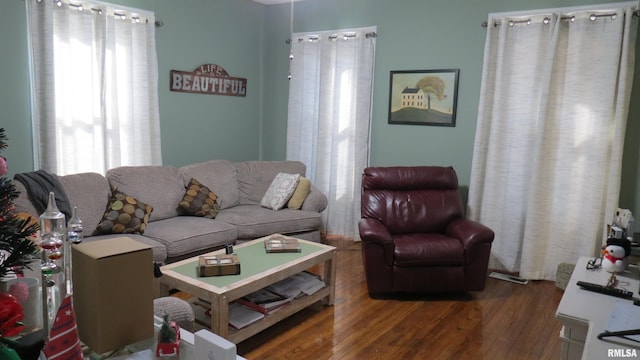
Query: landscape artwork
[[423, 97]]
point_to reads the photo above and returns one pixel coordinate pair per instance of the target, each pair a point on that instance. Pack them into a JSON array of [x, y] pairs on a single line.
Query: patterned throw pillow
[[198, 200], [302, 191], [124, 215], [280, 191]]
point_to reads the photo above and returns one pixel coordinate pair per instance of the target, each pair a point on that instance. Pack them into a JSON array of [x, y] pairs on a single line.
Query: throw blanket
[[39, 184]]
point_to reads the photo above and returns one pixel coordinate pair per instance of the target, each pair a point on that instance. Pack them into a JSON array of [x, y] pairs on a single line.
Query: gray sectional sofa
[[171, 233]]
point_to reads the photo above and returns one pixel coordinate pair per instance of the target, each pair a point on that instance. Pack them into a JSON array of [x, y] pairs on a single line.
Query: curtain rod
[[120, 12], [347, 35], [572, 18]]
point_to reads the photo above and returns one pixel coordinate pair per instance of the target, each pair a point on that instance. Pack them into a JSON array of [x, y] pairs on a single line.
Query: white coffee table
[[258, 270]]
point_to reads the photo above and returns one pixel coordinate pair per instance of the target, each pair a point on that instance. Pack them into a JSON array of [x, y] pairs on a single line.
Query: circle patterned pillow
[[124, 215], [198, 200]]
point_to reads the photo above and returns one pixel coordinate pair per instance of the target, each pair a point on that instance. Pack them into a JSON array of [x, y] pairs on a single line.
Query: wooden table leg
[[220, 315], [330, 277]]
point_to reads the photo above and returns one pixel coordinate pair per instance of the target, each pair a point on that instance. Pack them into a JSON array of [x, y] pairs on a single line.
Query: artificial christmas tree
[[17, 250]]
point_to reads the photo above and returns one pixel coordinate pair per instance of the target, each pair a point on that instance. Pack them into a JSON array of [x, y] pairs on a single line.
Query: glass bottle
[[52, 238], [52, 234], [74, 236]]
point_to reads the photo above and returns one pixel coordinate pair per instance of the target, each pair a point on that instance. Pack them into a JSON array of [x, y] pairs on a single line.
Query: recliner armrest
[[372, 230], [470, 233]]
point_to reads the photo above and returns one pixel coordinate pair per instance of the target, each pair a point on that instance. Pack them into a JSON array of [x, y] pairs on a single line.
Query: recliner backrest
[[411, 199]]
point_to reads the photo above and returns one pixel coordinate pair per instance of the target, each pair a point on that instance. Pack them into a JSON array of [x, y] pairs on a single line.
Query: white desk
[[584, 314]]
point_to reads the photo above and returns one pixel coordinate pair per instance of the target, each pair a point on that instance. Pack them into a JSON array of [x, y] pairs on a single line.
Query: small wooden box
[[218, 265], [282, 244]]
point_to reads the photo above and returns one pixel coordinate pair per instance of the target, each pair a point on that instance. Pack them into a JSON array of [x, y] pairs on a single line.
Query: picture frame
[[423, 97]]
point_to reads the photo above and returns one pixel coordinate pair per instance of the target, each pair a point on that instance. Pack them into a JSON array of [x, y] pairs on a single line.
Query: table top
[[255, 264], [595, 311]]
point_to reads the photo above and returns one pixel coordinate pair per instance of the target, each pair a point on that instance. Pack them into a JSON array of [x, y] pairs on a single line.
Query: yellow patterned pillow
[[302, 191]]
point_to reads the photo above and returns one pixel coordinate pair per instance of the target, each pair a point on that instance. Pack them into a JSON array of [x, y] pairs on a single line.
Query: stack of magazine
[[253, 307], [256, 305], [264, 301]]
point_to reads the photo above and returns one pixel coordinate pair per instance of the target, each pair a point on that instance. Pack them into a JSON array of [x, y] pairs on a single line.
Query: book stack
[[264, 301], [282, 244]]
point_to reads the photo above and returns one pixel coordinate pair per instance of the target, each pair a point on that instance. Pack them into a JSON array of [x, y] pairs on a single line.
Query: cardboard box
[[218, 265], [113, 293]]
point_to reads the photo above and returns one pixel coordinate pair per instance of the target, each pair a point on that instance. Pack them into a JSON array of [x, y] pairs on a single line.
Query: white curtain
[[329, 117], [551, 123], [94, 86]]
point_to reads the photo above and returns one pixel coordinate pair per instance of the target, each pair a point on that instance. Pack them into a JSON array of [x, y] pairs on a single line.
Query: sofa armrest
[[315, 201]]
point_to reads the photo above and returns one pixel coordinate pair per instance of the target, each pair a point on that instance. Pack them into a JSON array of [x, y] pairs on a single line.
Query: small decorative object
[[168, 339], [52, 237], [282, 244], [218, 265], [74, 236], [63, 340], [615, 257], [74, 228], [423, 97], [11, 315]]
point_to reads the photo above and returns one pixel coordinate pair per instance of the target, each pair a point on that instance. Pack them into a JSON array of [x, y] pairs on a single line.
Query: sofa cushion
[[218, 175], [159, 186], [280, 191], [198, 200], [300, 194], [255, 177], [90, 193], [254, 221], [124, 215], [22, 202], [183, 235]]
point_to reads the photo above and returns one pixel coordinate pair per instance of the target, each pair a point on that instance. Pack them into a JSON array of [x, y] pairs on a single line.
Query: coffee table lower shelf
[[238, 335]]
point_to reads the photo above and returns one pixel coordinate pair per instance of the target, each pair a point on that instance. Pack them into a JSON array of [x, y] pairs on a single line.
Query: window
[[330, 115], [94, 86]]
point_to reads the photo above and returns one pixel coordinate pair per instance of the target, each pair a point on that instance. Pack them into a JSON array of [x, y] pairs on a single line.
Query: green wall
[[248, 40]]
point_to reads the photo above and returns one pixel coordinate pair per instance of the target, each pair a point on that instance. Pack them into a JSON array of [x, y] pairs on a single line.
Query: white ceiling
[[273, 2]]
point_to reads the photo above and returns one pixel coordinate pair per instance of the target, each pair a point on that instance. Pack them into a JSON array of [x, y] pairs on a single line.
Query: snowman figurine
[[615, 258]]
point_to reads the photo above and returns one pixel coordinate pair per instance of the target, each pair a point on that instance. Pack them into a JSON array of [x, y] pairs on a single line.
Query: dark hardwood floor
[[505, 321]]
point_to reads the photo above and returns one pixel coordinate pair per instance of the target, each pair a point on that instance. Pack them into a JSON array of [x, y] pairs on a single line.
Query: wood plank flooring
[[505, 321]]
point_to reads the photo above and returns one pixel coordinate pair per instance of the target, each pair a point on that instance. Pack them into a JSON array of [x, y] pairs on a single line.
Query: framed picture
[[423, 97]]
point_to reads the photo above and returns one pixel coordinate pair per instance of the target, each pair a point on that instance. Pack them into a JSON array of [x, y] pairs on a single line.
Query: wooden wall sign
[[208, 79]]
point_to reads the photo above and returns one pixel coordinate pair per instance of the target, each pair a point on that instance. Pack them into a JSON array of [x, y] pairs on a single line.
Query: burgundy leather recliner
[[415, 238]]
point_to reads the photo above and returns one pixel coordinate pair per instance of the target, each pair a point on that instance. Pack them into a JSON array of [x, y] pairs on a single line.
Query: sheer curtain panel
[[329, 117], [553, 108], [94, 86]]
